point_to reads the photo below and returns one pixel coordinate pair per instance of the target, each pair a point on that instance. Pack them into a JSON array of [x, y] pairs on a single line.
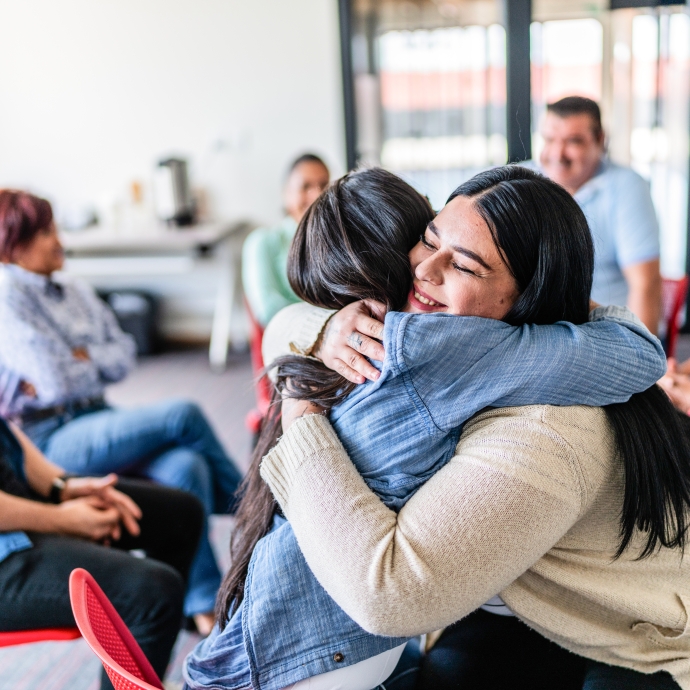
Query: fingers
[[683, 367], [378, 309], [123, 501], [350, 337], [366, 346], [292, 409], [355, 367], [108, 480], [353, 374]]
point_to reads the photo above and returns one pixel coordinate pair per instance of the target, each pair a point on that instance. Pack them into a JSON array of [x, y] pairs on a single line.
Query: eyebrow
[[461, 250]]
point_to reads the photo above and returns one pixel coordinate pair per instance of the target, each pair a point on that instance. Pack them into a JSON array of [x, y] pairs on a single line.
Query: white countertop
[[156, 238]]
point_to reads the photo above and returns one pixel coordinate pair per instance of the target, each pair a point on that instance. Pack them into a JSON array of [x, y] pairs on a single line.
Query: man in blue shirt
[[616, 202]]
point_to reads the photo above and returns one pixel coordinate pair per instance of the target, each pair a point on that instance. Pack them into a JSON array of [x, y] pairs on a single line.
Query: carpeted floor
[[226, 398]]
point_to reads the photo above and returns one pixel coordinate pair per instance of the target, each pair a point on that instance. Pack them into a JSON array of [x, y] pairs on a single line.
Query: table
[[157, 249]]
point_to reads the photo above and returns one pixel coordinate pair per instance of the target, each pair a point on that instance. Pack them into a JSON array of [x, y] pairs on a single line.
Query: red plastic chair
[[108, 636], [10, 639], [263, 386], [673, 295]]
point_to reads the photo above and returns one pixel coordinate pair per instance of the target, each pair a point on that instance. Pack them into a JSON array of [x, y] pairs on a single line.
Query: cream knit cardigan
[[528, 507]]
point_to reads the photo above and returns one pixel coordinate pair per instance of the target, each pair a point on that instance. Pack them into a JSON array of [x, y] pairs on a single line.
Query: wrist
[[59, 489]]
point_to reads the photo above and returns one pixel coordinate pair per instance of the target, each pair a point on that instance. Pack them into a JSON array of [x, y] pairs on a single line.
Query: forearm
[[646, 303], [114, 360], [644, 292], [56, 376], [23, 514], [40, 472], [467, 534]]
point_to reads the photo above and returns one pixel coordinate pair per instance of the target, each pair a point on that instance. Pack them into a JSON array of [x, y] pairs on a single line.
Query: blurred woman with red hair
[[61, 346]]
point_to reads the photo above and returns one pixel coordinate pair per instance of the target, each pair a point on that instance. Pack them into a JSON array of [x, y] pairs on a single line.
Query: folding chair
[[263, 387], [108, 636], [673, 294]]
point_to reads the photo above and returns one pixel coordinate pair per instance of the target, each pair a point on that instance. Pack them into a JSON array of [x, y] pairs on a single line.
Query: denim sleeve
[[457, 366]]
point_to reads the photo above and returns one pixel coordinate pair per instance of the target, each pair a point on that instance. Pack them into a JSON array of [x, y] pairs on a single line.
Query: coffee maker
[[172, 195]]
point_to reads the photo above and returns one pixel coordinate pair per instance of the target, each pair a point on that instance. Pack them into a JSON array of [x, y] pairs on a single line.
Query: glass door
[[430, 90], [636, 64]]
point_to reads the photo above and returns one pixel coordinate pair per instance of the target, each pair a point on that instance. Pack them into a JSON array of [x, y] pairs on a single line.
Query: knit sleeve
[[511, 492], [294, 331]]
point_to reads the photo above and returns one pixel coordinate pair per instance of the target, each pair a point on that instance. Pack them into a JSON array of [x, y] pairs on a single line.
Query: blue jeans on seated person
[[170, 443]]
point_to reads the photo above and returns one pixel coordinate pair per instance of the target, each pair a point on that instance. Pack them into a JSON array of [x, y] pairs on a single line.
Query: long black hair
[[544, 239], [352, 243]]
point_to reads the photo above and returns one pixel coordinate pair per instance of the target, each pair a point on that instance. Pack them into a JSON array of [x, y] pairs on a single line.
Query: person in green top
[[264, 255]]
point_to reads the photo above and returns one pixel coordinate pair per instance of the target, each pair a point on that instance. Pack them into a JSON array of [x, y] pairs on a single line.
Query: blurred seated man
[[264, 255], [60, 347], [616, 201], [51, 524]]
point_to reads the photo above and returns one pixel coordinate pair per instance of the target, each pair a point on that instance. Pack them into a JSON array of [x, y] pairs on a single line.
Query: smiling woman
[[458, 268]]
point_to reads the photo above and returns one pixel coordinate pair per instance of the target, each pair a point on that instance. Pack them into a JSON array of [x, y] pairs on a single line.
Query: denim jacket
[[439, 371]]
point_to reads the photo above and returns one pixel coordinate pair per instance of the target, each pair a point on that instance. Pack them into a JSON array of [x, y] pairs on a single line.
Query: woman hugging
[[484, 307]]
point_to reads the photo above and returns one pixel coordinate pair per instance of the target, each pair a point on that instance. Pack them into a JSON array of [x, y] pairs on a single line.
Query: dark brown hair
[[542, 233], [579, 105], [22, 217], [352, 244]]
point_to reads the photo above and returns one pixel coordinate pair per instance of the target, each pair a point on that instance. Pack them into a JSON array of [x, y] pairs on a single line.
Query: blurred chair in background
[[262, 386], [265, 251], [674, 294]]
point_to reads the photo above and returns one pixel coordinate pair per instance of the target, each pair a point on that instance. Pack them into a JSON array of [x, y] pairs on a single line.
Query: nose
[[560, 151], [312, 195], [429, 270]]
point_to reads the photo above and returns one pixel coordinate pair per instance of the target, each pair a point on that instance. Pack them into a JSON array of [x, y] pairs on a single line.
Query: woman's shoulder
[[420, 339], [567, 446], [582, 428]]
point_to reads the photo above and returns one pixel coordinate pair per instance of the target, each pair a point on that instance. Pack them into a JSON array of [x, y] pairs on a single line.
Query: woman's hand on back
[[350, 336], [292, 409]]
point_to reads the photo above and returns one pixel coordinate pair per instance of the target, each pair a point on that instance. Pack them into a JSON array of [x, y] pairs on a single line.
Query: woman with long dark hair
[[354, 243], [577, 516]]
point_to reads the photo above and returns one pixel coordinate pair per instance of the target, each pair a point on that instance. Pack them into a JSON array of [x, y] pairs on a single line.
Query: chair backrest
[[673, 294], [15, 637], [108, 636], [256, 336]]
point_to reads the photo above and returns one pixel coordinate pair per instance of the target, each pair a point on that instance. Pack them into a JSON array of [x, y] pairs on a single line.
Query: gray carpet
[[225, 398]]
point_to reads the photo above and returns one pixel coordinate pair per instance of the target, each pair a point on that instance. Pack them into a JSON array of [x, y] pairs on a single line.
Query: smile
[[426, 301]]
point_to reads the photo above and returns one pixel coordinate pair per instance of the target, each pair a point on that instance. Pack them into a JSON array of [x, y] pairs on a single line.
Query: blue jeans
[[170, 443]]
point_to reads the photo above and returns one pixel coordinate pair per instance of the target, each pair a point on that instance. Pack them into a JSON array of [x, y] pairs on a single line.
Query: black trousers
[[485, 651], [146, 592]]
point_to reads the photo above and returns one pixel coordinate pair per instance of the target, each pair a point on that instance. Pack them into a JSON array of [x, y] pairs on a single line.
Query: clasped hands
[[94, 509]]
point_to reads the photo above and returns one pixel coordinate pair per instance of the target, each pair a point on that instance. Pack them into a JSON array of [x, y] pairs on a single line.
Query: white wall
[[93, 92]]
